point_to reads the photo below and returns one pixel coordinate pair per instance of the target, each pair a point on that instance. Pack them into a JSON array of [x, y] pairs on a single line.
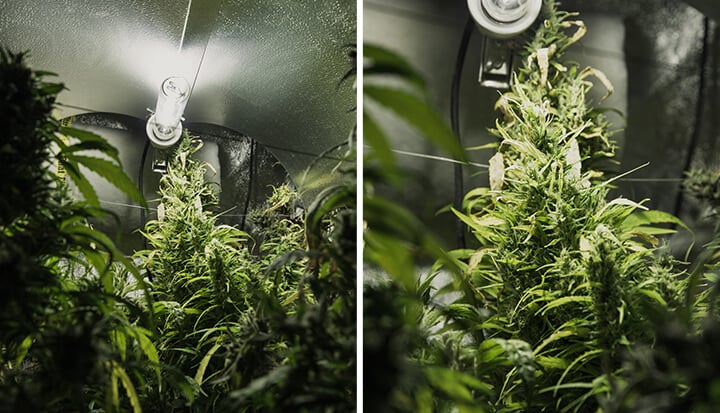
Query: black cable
[[455, 121], [250, 183], [141, 186], [699, 109]]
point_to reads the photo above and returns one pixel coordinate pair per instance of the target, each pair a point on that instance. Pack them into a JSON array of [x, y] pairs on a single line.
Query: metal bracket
[[496, 67]]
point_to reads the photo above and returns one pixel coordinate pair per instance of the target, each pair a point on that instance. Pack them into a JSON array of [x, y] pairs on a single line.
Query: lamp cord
[[141, 187], [455, 122], [250, 183]]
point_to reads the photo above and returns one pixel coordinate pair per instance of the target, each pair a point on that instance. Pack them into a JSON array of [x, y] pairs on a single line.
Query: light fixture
[[497, 64], [164, 127], [503, 19]]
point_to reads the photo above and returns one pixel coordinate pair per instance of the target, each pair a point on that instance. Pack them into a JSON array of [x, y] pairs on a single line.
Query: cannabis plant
[[559, 266], [250, 324], [317, 320], [680, 371], [317, 371], [67, 340], [420, 354], [200, 285]]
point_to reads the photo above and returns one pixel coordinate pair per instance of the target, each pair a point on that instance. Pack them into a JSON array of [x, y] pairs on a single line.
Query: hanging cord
[[141, 187], [455, 121], [250, 183], [699, 108]]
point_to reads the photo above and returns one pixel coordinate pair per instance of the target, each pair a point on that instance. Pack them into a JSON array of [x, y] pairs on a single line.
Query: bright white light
[[165, 127], [171, 104], [503, 19], [505, 10]]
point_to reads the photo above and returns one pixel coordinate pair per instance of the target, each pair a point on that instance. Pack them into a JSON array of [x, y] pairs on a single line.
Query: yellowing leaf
[[496, 172], [572, 157], [544, 64], [589, 71], [579, 33], [204, 363]]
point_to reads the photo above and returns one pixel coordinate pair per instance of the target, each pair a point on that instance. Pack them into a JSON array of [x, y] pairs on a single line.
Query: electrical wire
[[141, 187], [250, 183], [455, 121], [485, 166], [699, 108], [438, 158]]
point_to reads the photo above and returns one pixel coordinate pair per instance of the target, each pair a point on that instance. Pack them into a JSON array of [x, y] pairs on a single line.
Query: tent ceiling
[[268, 69]]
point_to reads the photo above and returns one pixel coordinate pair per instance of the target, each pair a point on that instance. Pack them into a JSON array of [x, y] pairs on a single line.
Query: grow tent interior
[[660, 55], [265, 78]]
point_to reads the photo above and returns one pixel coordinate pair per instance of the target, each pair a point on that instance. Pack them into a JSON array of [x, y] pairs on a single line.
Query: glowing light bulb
[[505, 10], [165, 127], [502, 19]]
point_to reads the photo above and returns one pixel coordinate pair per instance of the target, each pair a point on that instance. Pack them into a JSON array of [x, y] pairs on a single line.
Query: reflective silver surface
[[268, 69]]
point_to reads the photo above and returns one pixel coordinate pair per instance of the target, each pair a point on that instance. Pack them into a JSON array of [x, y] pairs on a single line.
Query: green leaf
[[120, 340], [23, 349], [277, 375], [88, 236], [653, 295], [644, 220], [375, 137], [81, 182], [52, 88], [204, 363], [381, 61], [146, 345], [420, 115], [113, 395], [455, 384], [583, 358], [89, 141], [565, 300], [331, 198], [113, 174], [119, 372]]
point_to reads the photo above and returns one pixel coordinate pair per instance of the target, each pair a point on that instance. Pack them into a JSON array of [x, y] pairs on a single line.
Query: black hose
[[250, 183], [699, 109], [455, 122], [141, 186]]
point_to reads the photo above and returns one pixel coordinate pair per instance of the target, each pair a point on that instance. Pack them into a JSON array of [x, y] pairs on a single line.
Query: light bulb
[[505, 10], [502, 19], [164, 127], [170, 105]]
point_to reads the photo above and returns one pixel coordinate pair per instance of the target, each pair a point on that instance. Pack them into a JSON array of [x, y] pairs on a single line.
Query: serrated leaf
[[147, 346], [420, 115], [647, 218], [128, 386], [204, 363], [82, 184], [113, 174], [89, 141], [120, 340]]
